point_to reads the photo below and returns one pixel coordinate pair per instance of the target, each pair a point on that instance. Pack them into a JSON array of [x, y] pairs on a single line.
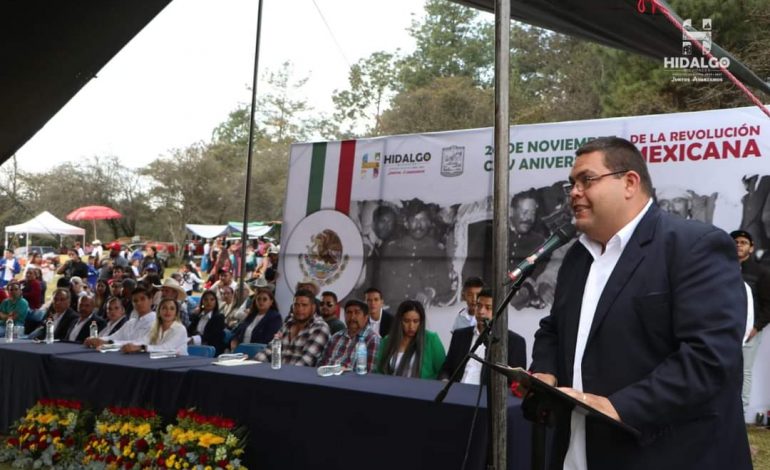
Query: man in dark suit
[[80, 328], [464, 338], [208, 328], [646, 326], [60, 313], [379, 319]]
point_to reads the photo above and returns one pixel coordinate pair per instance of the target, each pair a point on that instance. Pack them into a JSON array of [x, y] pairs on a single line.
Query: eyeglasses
[[583, 182]]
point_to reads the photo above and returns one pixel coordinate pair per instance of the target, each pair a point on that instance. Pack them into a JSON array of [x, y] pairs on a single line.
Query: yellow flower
[[208, 467], [46, 418], [208, 439]]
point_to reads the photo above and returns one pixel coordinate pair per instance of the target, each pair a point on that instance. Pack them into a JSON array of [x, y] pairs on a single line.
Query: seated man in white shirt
[[466, 317], [464, 338], [81, 328], [137, 328]]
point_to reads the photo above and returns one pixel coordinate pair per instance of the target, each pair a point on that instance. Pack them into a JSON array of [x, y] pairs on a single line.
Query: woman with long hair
[[167, 333], [262, 323], [101, 294], [210, 332], [409, 350]]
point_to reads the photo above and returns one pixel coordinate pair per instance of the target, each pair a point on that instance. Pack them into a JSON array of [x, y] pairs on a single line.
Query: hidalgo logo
[[372, 165], [452, 161]]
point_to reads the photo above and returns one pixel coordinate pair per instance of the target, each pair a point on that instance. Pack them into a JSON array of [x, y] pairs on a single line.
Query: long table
[[295, 418]]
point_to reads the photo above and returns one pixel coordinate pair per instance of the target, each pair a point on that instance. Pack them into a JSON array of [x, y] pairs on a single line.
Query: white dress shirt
[[75, 331], [174, 339], [205, 317], [472, 373], [135, 330], [250, 329], [601, 269], [463, 320]]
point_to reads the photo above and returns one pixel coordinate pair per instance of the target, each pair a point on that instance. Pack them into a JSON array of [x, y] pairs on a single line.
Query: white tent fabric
[[46, 223], [254, 231], [208, 231]]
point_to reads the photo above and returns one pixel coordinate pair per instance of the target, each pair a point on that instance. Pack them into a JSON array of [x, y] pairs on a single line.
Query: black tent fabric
[[49, 49], [618, 24]]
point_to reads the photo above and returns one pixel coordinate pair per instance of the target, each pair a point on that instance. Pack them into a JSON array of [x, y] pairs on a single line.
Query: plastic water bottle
[[361, 354], [9, 331], [275, 358], [49, 332], [93, 330]]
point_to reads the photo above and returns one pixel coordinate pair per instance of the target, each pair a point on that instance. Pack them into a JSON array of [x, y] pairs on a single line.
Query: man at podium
[[646, 327]]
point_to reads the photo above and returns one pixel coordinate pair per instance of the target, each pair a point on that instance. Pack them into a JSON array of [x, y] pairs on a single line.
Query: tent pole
[[247, 190], [498, 390]]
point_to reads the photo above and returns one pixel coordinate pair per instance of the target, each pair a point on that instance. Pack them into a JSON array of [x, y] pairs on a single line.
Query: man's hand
[[594, 401], [550, 379], [130, 348], [93, 342]]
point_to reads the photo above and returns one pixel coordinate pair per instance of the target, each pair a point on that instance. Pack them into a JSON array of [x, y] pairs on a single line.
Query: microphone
[[559, 238]]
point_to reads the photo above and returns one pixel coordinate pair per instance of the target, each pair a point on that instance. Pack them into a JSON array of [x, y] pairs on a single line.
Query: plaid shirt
[[304, 349], [342, 349]]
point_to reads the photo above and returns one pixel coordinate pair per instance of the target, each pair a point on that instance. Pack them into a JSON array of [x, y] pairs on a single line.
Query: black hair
[[413, 354]]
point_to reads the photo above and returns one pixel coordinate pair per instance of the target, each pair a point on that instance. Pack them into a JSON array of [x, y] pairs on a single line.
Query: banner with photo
[[411, 214]]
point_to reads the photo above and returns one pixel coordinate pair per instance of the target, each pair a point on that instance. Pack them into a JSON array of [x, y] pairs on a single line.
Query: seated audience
[[80, 329], [116, 317], [262, 323], [137, 328], [341, 348], [228, 308], [167, 332], [60, 312], [410, 350], [14, 307], [329, 312], [464, 338], [32, 289], [208, 325], [171, 289], [303, 336], [466, 317]]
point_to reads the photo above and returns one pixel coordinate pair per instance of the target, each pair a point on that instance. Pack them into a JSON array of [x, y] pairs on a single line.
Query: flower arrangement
[[124, 438], [47, 436], [198, 441]]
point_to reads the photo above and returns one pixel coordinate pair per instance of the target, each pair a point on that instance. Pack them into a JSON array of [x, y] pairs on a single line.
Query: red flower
[[159, 446], [56, 433], [13, 441], [223, 463], [204, 459], [128, 464], [161, 462], [142, 446], [182, 451]]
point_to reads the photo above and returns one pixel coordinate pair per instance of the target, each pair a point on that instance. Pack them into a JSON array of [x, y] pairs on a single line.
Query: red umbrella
[[94, 213]]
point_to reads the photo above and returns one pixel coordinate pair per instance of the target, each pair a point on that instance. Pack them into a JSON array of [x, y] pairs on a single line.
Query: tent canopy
[[255, 229], [50, 49], [46, 223], [618, 24]]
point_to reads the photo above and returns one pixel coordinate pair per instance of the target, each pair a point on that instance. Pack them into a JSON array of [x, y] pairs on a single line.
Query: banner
[[412, 214]]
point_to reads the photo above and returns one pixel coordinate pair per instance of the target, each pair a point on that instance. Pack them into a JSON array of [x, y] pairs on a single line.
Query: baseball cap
[[742, 233]]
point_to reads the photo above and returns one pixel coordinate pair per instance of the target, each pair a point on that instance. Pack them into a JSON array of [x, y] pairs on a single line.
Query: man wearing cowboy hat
[[171, 289]]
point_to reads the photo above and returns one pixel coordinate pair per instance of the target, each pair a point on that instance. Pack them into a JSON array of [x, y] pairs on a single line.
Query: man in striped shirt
[[341, 348]]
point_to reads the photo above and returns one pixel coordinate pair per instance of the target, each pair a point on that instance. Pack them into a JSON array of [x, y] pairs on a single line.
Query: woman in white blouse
[[167, 334]]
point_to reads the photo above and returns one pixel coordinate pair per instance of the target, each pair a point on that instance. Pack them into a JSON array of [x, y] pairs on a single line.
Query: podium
[[543, 402]]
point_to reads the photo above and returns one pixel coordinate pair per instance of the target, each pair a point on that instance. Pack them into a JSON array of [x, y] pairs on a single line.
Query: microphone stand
[[456, 374], [483, 336]]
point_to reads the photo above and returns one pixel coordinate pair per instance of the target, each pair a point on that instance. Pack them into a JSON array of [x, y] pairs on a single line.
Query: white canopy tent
[[44, 223], [212, 231]]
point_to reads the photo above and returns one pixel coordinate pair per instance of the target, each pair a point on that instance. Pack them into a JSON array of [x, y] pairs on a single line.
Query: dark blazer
[[664, 347], [118, 325], [85, 331], [60, 333], [386, 319], [263, 332], [461, 343], [213, 332]]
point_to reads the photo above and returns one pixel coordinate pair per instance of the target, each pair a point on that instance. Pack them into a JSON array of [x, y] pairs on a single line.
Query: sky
[[186, 70]]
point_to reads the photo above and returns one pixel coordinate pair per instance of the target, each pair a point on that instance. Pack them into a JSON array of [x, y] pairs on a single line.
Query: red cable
[[708, 54]]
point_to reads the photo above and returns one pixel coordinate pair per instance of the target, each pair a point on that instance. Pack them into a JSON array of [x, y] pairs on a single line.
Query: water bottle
[[93, 330], [275, 358], [9, 331], [361, 354], [49, 332]]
